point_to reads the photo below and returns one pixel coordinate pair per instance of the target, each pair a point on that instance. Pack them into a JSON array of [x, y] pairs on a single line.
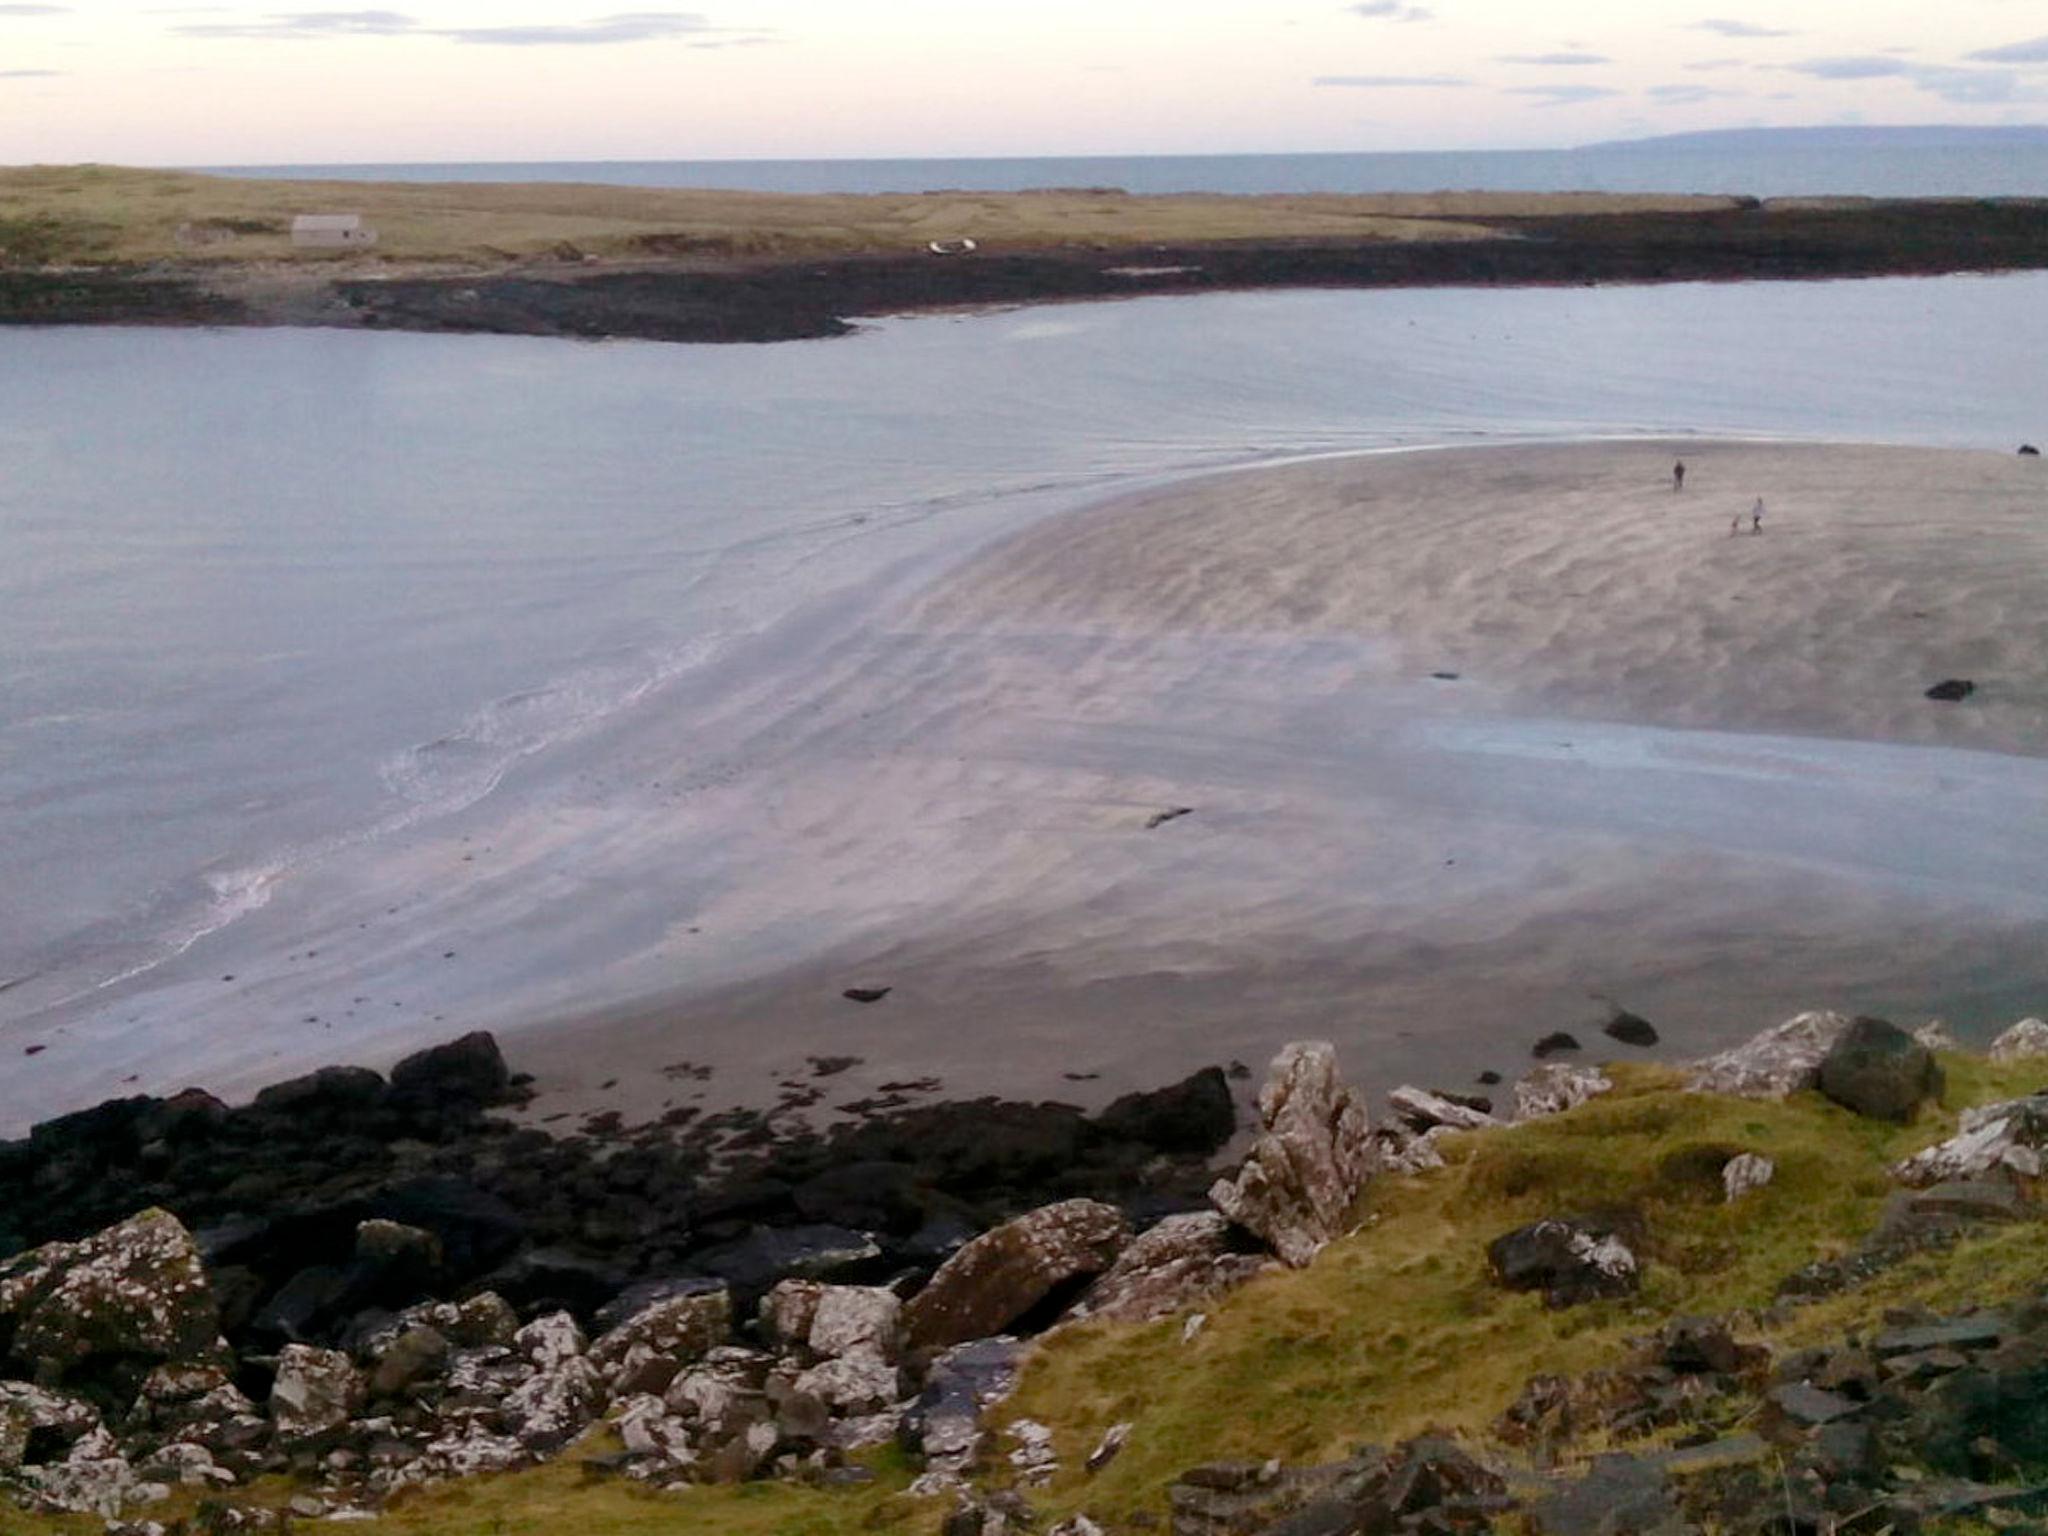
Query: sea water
[[279, 608]]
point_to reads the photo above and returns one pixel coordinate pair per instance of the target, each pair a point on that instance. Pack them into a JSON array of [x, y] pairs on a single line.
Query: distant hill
[[1930, 136]]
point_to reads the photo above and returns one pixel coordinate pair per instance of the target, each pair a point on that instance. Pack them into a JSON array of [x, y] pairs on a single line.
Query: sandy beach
[[1686, 770]]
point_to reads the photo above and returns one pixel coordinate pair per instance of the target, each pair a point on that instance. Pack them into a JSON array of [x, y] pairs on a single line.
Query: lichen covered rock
[[1303, 1174], [1778, 1062], [1007, 1271], [131, 1296]]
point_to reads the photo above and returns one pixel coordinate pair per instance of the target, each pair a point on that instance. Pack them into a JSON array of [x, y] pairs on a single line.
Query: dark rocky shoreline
[[791, 300]]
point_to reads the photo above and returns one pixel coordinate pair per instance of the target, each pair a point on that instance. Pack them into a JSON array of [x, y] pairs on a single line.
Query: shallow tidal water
[[359, 689]]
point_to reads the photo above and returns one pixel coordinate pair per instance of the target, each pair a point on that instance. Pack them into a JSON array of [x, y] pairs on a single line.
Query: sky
[[170, 84]]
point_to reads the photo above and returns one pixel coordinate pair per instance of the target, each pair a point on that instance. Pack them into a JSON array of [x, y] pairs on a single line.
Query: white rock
[[851, 1319], [1780, 1061], [1420, 1107], [865, 1431], [855, 1384], [2010, 1137], [100, 1487], [1746, 1173], [315, 1390], [1935, 1036], [1555, 1087], [1110, 1446], [551, 1340], [556, 1405], [2025, 1039], [1400, 1151], [1180, 1259], [683, 1328], [1192, 1328], [1079, 1525], [1310, 1161]]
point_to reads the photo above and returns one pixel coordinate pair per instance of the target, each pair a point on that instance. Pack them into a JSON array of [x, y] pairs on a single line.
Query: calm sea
[[1956, 170]]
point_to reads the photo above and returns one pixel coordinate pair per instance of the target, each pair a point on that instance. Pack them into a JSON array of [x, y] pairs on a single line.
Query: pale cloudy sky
[[172, 84]]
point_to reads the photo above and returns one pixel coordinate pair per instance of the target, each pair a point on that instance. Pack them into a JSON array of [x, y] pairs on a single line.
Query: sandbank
[[1676, 768]]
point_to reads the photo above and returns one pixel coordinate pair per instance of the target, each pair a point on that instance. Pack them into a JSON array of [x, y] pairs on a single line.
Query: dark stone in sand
[[1193, 1115], [1952, 690], [1555, 1043], [1161, 818], [1445, 677], [1488, 1078], [2030, 451], [1630, 1029], [866, 994]]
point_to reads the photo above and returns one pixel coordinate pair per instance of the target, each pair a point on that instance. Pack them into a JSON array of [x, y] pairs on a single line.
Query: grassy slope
[[52, 214], [1396, 1328]]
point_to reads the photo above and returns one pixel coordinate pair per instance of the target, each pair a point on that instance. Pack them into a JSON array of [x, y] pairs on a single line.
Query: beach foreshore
[[1474, 743], [769, 284]]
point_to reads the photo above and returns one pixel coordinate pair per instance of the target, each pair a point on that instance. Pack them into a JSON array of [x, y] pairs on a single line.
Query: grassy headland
[[98, 244]]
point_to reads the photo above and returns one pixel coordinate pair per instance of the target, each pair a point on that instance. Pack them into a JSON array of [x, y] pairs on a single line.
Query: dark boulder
[[1619, 1495], [328, 1093], [1569, 1261], [1952, 690], [1193, 1115], [873, 1196], [2028, 450], [1556, 1043], [1880, 1071], [465, 1074], [993, 1282], [1630, 1029]]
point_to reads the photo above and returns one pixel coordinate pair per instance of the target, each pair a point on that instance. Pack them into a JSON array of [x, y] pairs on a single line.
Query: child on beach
[[1678, 476]]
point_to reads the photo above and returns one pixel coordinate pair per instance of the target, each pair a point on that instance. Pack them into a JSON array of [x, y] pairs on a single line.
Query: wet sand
[[1688, 771]]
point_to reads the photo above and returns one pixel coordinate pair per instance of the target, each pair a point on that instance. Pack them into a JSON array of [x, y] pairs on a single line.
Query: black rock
[[2030, 451], [465, 1073], [553, 1279], [752, 1264], [1571, 1261], [1951, 690], [866, 994], [477, 1230], [1193, 1115], [873, 1196], [1630, 1029], [331, 1091], [1555, 1043], [1880, 1071], [1489, 1078], [1161, 818]]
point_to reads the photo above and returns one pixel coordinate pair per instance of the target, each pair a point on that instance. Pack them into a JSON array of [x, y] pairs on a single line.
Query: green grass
[[1397, 1329], [92, 213]]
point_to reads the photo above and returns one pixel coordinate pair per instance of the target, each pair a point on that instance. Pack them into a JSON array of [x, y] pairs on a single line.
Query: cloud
[[1564, 95], [2033, 51], [1392, 82], [30, 74], [302, 24], [35, 10], [1554, 60], [1950, 82], [627, 27], [1727, 28], [1686, 95], [1392, 10], [623, 27], [1702, 66]]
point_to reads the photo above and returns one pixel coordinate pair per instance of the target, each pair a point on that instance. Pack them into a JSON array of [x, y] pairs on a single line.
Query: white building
[[331, 231]]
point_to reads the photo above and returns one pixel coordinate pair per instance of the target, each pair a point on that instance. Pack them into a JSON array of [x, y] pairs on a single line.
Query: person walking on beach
[[1678, 476], [1756, 516]]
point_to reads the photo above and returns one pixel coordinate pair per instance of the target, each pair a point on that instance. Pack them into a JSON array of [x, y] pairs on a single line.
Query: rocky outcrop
[[1002, 1275], [1180, 1262], [1193, 1115], [1422, 1111], [2008, 1138], [315, 1391], [1305, 1170], [2024, 1041], [1774, 1064], [1879, 1071]]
